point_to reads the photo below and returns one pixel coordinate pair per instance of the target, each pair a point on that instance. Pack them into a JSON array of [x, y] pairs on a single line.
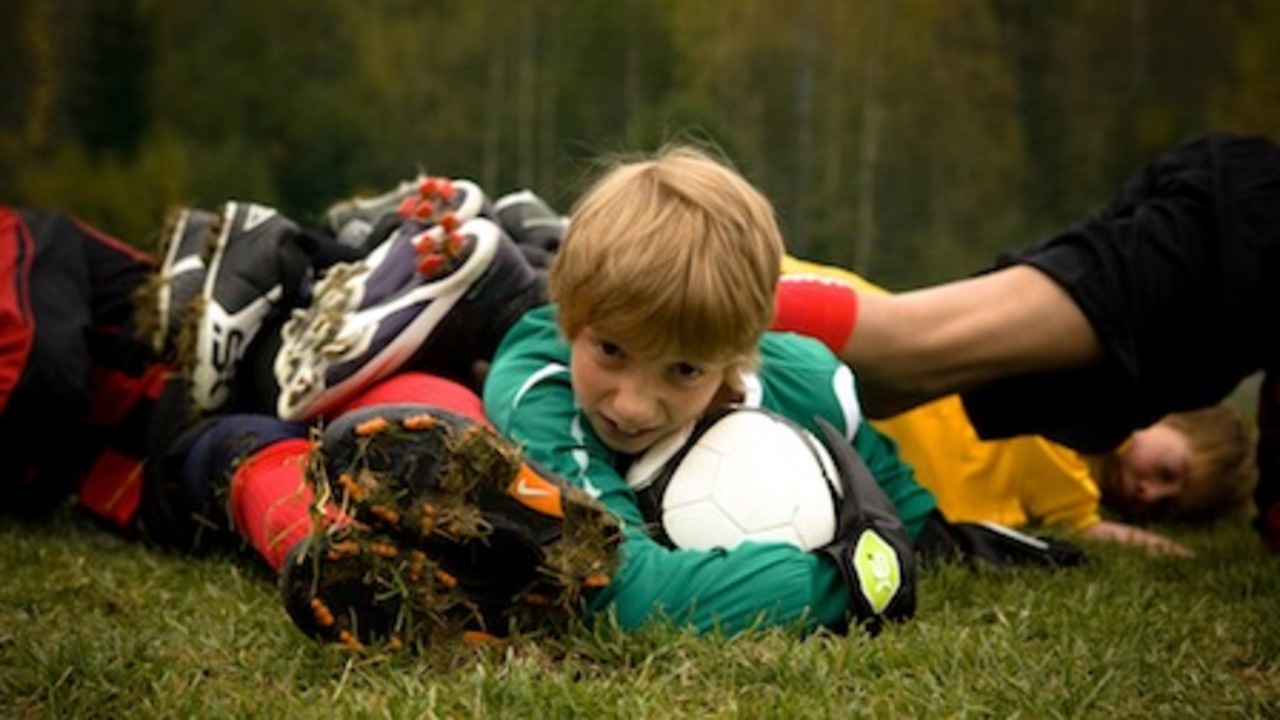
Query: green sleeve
[[529, 398]]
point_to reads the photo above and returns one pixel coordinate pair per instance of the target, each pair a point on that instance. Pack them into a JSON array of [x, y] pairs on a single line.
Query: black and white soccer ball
[[745, 474]]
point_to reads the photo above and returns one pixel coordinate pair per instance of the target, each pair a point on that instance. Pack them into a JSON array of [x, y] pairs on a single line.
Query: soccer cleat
[[529, 220], [448, 532], [256, 268], [425, 199], [351, 220], [425, 298], [188, 235]]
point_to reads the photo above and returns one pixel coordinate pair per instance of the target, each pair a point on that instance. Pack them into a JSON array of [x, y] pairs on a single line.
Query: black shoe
[[424, 199], [451, 534], [530, 221], [189, 236], [257, 268]]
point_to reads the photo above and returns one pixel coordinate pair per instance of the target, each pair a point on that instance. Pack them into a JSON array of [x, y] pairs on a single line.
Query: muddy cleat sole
[[451, 532], [358, 588]]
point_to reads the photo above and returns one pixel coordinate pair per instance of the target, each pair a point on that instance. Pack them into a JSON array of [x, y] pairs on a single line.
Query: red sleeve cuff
[[822, 308]]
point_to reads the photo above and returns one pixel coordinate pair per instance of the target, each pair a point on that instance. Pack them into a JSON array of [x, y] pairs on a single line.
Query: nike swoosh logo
[[524, 488]]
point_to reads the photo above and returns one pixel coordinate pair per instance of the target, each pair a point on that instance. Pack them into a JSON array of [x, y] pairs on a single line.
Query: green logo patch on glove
[[879, 572]]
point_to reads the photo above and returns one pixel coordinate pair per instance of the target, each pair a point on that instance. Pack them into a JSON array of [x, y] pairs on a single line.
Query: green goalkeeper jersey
[[529, 398]]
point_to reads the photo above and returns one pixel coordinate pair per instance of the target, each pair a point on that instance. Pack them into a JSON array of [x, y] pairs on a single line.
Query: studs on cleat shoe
[[476, 637], [439, 541], [424, 211], [371, 427], [440, 251], [430, 265], [357, 588], [442, 201], [375, 316], [320, 611], [387, 515], [425, 421]]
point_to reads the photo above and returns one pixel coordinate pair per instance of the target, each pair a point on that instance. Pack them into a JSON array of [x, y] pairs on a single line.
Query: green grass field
[[95, 626]]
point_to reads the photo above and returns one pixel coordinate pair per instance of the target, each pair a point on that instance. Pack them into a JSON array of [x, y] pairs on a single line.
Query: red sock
[[270, 500], [822, 308], [424, 389]]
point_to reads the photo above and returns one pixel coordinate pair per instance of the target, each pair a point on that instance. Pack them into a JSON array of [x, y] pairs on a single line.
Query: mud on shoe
[[369, 318], [452, 535], [188, 236], [360, 588], [257, 268]]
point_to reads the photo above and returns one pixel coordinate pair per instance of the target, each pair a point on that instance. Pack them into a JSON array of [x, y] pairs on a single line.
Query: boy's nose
[[633, 405]]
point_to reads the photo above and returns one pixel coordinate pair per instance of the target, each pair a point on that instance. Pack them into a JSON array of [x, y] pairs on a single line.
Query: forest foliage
[[910, 139]]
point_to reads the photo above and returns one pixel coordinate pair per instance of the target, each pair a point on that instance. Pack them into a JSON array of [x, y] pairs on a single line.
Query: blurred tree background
[[909, 139]]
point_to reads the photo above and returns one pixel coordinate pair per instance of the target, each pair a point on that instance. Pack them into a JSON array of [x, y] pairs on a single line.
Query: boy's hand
[[1130, 535]]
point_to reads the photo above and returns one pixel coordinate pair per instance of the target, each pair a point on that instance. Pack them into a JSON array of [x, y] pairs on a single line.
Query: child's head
[[669, 259], [1190, 466], [674, 251]]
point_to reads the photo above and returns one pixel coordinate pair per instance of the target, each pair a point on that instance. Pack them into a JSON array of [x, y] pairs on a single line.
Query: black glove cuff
[[993, 544], [871, 546]]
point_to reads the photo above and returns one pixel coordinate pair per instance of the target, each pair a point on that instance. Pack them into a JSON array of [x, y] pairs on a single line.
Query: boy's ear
[[739, 374], [728, 394]]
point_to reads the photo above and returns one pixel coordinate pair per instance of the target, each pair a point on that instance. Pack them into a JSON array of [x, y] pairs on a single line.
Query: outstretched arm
[[920, 345], [1129, 535]]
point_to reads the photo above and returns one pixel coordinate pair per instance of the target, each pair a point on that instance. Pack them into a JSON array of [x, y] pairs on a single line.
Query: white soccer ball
[[751, 475]]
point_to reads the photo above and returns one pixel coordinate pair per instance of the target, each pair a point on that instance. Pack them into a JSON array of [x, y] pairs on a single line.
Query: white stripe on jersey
[[580, 456], [842, 384], [537, 377]]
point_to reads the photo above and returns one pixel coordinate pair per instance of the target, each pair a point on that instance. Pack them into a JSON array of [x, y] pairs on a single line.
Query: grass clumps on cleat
[[445, 532]]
